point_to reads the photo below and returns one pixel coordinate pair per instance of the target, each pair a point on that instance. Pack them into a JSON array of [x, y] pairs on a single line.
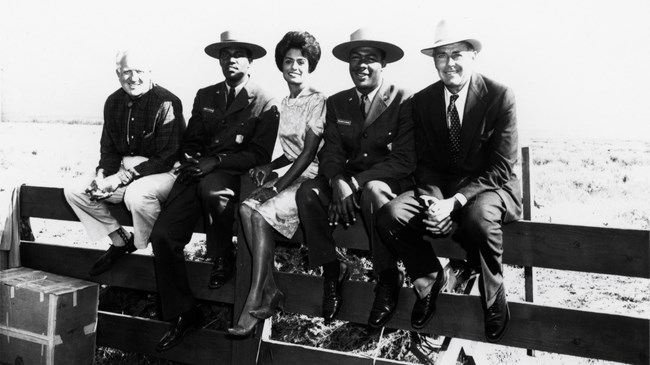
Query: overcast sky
[[577, 67]]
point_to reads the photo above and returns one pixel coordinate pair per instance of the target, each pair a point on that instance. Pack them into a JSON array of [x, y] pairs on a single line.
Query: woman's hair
[[303, 41]]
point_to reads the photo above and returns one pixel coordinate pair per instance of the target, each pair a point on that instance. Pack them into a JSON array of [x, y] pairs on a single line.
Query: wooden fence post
[[529, 275]]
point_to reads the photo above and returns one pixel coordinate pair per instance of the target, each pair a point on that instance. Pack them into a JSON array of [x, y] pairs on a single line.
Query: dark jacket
[[242, 136], [380, 147], [488, 144]]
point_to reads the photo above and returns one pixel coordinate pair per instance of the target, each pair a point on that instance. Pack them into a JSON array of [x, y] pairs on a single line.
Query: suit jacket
[[242, 136], [488, 144], [379, 147]]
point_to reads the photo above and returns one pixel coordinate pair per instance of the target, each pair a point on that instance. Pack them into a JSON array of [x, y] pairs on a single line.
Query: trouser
[[213, 197], [313, 199], [143, 197], [400, 224]]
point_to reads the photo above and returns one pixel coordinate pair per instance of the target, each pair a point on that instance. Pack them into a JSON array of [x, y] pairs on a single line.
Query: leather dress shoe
[[333, 294], [105, 261], [183, 323], [425, 308], [386, 297], [222, 270], [497, 317]]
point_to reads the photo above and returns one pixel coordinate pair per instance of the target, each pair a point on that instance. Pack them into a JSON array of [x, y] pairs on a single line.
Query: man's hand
[[438, 215], [343, 203], [259, 174], [195, 168]]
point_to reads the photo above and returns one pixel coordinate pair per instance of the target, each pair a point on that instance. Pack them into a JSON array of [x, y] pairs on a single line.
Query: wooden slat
[[579, 248], [132, 271], [49, 203], [548, 245], [565, 331], [140, 335], [275, 352], [568, 247], [573, 332]]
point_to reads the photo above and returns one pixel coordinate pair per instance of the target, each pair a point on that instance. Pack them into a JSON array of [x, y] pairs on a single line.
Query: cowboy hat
[[229, 39], [448, 32], [364, 38]]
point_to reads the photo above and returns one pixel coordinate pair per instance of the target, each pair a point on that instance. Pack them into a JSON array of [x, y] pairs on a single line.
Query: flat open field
[[599, 183]]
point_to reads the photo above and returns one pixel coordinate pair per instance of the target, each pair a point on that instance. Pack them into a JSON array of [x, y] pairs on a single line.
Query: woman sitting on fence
[[273, 204]]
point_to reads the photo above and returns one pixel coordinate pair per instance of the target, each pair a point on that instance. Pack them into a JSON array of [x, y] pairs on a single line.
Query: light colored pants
[[143, 197]]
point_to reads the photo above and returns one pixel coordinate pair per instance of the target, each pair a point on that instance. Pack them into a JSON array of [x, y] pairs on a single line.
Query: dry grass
[[599, 183]]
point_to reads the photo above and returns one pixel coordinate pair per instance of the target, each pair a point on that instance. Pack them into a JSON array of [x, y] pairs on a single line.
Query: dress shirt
[[238, 88], [460, 102], [460, 107], [370, 95]]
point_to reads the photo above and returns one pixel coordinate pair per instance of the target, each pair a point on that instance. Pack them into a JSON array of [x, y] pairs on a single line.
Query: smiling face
[[295, 67], [455, 63], [234, 63], [366, 65], [134, 75]]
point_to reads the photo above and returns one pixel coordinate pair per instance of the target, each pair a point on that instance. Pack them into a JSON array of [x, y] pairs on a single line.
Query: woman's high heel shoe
[[267, 310], [244, 330]]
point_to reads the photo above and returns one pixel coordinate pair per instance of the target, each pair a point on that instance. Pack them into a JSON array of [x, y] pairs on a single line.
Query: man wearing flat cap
[[368, 157], [466, 143], [232, 129]]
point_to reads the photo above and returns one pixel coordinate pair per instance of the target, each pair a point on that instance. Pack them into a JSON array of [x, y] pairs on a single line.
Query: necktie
[[454, 128], [231, 97], [365, 103]]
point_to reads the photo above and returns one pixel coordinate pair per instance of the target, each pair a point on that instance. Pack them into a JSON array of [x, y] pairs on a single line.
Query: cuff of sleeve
[[354, 184], [461, 199]]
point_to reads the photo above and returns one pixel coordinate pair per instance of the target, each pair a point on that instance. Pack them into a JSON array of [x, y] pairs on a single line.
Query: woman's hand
[[260, 174], [263, 194]]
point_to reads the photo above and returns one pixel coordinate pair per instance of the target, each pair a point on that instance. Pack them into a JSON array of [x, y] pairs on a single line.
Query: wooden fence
[[585, 333]]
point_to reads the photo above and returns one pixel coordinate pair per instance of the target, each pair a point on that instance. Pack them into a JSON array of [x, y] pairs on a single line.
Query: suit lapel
[[380, 102], [474, 109], [438, 114], [222, 93], [354, 107]]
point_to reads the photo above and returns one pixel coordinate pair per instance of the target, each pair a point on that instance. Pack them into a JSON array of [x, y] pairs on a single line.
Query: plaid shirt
[[151, 126]]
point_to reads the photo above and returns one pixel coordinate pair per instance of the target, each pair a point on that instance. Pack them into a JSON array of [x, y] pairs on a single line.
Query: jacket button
[[365, 135], [365, 155]]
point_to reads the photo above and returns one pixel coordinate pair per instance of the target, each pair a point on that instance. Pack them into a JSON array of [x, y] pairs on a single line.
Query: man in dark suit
[[232, 129], [367, 158], [466, 143]]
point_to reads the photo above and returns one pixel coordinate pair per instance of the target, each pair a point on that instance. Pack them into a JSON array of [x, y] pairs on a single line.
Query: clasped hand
[[259, 174], [103, 187], [438, 215], [343, 204], [195, 167]]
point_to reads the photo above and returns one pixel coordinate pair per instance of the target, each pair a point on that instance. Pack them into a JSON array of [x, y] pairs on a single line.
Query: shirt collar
[[239, 87], [371, 95], [462, 94]]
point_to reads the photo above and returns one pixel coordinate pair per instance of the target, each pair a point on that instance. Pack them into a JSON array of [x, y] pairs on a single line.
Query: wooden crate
[[46, 318]]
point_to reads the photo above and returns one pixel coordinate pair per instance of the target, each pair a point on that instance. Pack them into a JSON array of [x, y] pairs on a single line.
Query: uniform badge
[[344, 122], [239, 138], [390, 146], [209, 110]]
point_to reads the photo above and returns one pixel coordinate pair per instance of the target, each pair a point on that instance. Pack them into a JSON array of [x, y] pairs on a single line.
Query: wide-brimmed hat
[[365, 38], [230, 39], [448, 32]]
